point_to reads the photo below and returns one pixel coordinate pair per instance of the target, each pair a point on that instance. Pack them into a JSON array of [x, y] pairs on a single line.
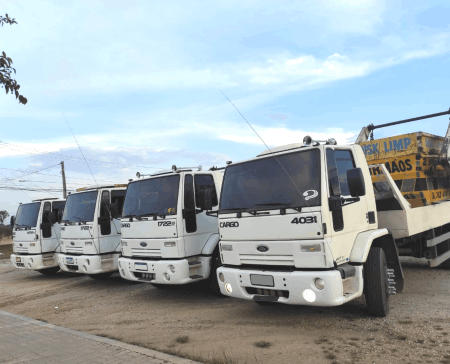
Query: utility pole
[[63, 180]]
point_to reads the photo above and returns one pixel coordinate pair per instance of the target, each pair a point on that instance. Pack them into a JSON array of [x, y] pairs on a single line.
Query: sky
[[142, 83]]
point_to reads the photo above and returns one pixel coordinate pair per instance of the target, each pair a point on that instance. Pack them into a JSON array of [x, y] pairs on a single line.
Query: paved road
[[24, 340]]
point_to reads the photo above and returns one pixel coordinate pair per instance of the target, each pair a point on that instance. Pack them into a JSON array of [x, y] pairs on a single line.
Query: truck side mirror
[[60, 215], [355, 181], [12, 221], [52, 217], [205, 199], [115, 210]]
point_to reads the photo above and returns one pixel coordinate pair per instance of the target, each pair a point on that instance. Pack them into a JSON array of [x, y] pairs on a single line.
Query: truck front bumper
[[88, 264], [294, 288], [35, 262], [164, 271]]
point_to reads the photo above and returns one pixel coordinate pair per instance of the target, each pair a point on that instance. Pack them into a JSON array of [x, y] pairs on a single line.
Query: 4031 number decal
[[304, 220]]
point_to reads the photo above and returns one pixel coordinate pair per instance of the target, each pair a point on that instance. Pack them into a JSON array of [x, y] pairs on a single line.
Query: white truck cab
[[36, 235], [296, 225], [90, 231], [169, 233]]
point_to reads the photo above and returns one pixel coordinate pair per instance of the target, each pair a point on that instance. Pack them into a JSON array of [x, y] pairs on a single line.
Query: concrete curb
[[167, 358]]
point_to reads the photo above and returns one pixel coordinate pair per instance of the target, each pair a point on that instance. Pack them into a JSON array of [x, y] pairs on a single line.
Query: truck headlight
[[311, 248], [88, 243], [32, 244], [309, 295], [124, 243], [228, 287], [170, 244], [172, 268], [221, 277], [319, 282], [227, 248]]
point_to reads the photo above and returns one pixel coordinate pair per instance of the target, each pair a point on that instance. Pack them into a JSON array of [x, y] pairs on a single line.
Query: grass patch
[[330, 356], [446, 342], [182, 339], [370, 338], [419, 341], [438, 328], [354, 338], [262, 344], [445, 333]]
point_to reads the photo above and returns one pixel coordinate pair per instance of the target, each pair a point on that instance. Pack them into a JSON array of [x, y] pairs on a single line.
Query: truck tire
[[376, 283], [213, 282], [158, 285], [49, 271], [101, 276]]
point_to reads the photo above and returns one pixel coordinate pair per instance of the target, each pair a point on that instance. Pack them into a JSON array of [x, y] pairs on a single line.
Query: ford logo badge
[[72, 243], [262, 248], [143, 244], [20, 244]]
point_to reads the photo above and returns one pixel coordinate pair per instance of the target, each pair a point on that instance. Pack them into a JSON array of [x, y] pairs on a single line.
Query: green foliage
[[6, 69], [3, 216]]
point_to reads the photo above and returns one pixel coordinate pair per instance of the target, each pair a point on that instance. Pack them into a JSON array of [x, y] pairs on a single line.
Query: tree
[[3, 216], [6, 69]]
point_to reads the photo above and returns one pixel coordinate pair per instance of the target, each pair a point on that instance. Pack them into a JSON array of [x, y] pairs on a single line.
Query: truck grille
[[146, 252], [21, 250], [74, 249], [267, 259]]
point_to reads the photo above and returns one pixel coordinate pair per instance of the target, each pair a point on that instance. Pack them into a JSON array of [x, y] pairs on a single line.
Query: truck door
[[56, 228], [46, 228], [198, 226], [349, 218], [108, 227]]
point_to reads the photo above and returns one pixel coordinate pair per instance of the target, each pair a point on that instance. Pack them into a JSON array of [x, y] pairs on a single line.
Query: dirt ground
[[195, 324]]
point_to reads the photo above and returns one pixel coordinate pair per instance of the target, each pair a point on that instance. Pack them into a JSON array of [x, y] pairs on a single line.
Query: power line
[[66, 156], [55, 175], [80, 149]]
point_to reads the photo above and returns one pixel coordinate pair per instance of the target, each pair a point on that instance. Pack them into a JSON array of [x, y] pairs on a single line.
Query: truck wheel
[[446, 264], [376, 283], [213, 282], [49, 271], [101, 276], [160, 286]]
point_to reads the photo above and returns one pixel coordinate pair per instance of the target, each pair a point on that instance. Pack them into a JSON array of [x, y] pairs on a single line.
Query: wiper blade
[[154, 214], [272, 204], [235, 209], [138, 217], [239, 210]]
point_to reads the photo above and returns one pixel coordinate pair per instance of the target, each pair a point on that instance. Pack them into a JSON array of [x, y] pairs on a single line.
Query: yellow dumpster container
[[411, 159]]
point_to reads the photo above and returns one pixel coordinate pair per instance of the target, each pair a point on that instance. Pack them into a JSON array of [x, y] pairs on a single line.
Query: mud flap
[[387, 243]]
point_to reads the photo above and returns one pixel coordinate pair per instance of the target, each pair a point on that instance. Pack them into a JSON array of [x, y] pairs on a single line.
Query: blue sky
[[139, 81]]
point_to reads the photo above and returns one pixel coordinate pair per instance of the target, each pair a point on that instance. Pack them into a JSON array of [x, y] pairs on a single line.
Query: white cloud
[[282, 135]]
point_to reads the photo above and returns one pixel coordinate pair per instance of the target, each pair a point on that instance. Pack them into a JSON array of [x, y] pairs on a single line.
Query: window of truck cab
[[263, 183], [344, 162], [153, 195]]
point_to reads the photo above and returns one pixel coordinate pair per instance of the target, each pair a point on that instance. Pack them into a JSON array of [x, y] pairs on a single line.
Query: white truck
[[314, 224], [36, 235], [90, 231], [169, 235]]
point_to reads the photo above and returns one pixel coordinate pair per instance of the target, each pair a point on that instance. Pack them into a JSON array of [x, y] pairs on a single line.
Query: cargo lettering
[[393, 167], [398, 144], [370, 149]]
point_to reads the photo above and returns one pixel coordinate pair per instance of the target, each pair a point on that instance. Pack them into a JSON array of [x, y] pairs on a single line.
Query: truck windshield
[[264, 183], [27, 214], [80, 207], [156, 196]]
